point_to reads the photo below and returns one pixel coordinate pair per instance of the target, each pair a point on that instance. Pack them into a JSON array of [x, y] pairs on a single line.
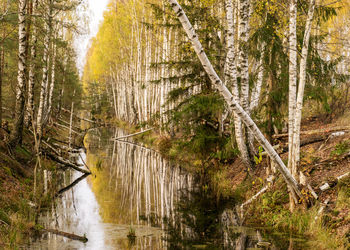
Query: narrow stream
[[134, 189]]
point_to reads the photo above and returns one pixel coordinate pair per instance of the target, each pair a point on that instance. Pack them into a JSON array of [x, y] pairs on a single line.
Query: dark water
[[134, 189]]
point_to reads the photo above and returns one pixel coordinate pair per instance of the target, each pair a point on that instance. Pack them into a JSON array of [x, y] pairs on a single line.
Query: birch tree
[[16, 136], [293, 75], [231, 79], [45, 76], [301, 88], [233, 106], [32, 69]]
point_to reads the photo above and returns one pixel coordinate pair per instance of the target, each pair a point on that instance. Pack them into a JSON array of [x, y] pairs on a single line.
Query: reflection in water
[[135, 185], [134, 189]]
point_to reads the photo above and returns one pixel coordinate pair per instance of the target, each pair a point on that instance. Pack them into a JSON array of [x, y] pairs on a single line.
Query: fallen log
[[67, 235], [303, 142], [62, 161], [317, 131], [131, 135]]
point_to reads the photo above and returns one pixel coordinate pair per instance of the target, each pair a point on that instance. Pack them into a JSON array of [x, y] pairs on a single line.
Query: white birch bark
[[293, 50], [233, 106], [45, 76], [31, 75], [52, 83], [255, 97], [244, 12], [16, 137], [302, 81], [231, 80]]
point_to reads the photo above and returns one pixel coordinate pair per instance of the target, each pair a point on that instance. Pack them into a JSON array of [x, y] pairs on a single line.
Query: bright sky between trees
[[95, 16]]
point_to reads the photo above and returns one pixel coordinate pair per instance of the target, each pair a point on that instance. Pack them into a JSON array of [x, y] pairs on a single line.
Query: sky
[[95, 16]]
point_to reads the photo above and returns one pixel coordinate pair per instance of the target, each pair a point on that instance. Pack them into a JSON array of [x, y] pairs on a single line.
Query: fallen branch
[[137, 145], [327, 186], [67, 235], [131, 135], [80, 118], [67, 163], [263, 190], [63, 126], [67, 124], [74, 183], [320, 211], [312, 191]]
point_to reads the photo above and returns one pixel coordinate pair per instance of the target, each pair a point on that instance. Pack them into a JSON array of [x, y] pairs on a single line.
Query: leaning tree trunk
[[233, 106], [31, 75], [302, 80], [16, 137], [231, 81]]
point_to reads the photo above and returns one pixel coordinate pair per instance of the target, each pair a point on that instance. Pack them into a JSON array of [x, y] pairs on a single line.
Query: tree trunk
[[233, 106], [31, 80], [44, 81], [16, 136], [302, 81], [52, 84], [293, 50], [231, 80]]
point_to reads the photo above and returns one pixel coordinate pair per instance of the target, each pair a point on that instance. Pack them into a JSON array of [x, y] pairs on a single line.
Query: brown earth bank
[[19, 204]]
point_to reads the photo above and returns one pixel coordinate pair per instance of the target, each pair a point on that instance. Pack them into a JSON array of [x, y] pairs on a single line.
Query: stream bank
[[322, 161], [24, 194]]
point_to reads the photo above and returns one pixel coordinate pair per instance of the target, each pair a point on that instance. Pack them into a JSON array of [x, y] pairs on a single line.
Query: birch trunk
[[16, 136], [231, 80], [293, 50], [52, 84], [293, 60], [233, 106], [31, 80], [302, 81], [254, 102], [44, 81], [244, 12]]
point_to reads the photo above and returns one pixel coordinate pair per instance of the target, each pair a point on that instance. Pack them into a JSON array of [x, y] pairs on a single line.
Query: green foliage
[[341, 148], [258, 159]]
